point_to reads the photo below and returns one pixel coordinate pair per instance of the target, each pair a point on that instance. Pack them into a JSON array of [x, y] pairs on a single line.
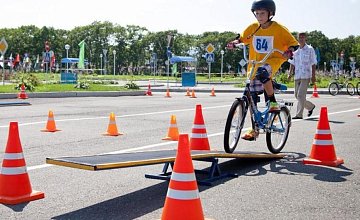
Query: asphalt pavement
[[264, 189]]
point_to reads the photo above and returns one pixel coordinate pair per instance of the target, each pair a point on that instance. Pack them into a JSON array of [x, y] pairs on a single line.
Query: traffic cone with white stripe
[[323, 150], [22, 94], [193, 94], [112, 128], [212, 92], [199, 139], [315, 92], [187, 92], [15, 187], [167, 95], [183, 199], [148, 92], [173, 132], [50, 125]]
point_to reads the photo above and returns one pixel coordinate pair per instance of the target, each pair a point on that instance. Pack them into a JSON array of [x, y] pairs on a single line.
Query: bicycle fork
[[249, 102]]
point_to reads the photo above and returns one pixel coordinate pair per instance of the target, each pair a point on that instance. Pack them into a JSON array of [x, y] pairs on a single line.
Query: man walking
[[304, 65]]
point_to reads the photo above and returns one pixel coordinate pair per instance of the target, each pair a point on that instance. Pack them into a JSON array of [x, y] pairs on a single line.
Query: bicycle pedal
[[248, 139]]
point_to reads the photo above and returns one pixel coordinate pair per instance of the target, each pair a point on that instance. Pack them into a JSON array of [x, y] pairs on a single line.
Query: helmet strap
[[270, 17]]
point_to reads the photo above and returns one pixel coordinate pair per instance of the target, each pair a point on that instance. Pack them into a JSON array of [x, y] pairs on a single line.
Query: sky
[[334, 18]]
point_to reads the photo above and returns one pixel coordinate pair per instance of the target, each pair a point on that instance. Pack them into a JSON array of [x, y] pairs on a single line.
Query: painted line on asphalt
[[174, 142], [121, 116]]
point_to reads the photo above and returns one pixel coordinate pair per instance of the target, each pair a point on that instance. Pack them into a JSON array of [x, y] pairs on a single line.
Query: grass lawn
[[51, 82]]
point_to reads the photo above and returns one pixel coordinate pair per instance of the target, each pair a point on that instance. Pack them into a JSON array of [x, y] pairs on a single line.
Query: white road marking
[[171, 142], [121, 116]]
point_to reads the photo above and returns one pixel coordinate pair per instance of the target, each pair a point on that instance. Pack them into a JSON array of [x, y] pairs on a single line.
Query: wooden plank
[[122, 160]]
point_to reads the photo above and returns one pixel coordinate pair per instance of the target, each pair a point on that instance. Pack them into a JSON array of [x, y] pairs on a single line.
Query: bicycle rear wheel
[[350, 89], [278, 132], [333, 88], [234, 125]]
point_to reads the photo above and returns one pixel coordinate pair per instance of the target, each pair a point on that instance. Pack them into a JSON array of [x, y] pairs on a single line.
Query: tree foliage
[[134, 45]]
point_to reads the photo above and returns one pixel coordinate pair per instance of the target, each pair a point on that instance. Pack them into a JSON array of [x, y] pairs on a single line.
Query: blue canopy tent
[[71, 60], [188, 79], [177, 59], [67, 76]]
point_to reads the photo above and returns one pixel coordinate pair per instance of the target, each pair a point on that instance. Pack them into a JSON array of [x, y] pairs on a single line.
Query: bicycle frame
[[259, 119], [275, 125]]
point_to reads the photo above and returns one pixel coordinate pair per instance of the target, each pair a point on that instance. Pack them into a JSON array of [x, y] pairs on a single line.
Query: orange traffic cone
[[212, 92], [199, 139], [50, 125], [193, 94], [182, 198], [167, 94], [112, 128], [22, 94], [15, 184], [323, 150], [148, 92], [173, 132], [315, 92], [188, 92]]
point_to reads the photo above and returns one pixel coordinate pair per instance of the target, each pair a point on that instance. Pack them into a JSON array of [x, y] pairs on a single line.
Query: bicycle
[[275, 125], [335, 86], [358, 88]]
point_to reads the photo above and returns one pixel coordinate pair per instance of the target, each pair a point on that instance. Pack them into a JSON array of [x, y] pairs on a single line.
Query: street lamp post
[[105, 60], [222, 64], [67, 47], [114, 53], [101, 56]]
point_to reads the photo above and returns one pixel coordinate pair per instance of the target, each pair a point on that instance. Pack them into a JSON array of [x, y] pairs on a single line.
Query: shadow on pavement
[[139, 203], [330, 121], [292, 165], [17, 208]]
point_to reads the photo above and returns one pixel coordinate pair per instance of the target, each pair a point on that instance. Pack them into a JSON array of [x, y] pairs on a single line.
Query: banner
[[36, 65], [174, 69], [81, 64]]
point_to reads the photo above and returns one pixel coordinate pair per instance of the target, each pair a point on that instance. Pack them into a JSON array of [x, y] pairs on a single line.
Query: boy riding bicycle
[[262, 37]]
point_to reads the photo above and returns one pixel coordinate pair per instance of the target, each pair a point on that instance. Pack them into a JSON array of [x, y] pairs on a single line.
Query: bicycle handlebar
[[254, 62]]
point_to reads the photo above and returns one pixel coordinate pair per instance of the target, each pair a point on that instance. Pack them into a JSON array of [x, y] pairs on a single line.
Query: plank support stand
[[213, 173]]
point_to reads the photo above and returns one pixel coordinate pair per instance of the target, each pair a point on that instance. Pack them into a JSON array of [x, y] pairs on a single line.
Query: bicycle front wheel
[[278, 131], [333, 88], [234, 125], [350, 89]]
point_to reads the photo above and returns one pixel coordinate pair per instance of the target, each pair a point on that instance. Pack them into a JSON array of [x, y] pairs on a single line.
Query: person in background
[[303, 66]]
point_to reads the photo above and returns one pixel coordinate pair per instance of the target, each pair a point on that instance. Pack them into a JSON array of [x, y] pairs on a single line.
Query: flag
[[317, 51], [36, 65], [17, 60], [52, 60], [1, 63], [174, 68], [81, 55], [10, 63]]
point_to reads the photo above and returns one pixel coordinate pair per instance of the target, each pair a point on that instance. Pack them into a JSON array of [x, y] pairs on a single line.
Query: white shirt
[[303, 60]]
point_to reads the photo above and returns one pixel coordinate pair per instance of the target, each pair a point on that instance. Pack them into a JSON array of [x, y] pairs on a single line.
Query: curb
[[135, 93], [74, 94], [238, 91]]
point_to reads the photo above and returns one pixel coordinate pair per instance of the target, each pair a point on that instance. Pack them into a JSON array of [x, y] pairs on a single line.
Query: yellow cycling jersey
[[263, 41]]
